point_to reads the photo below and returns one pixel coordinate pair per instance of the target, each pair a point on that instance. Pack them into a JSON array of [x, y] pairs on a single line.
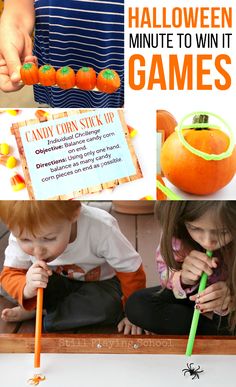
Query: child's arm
[[131, 281], [16, 27], [22, 284], [185, 281], [13, 282], [19, 277], [123, 258], [171, 279]]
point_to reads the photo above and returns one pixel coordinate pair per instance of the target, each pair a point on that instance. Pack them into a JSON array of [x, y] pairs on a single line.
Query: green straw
[[196, 313], [167, 191]]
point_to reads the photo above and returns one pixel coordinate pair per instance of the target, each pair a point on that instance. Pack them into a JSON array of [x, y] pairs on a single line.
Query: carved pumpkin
[[108, 81], [29, 73], [65, 77], [192, 173], [166, 123], [159, 193], [47, 75], [86, 78]]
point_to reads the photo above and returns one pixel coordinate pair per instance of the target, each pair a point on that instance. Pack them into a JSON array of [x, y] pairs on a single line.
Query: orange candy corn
[[147, 198], [42, 115], [17, 182], [8, 161], [4, 148], [132, 131]]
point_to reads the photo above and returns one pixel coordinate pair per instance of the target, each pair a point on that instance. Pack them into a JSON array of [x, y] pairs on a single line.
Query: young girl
[[79, 256], [189, 229], [73, 33]]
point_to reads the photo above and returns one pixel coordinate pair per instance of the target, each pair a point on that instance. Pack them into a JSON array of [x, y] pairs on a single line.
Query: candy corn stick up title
[[187, 46]]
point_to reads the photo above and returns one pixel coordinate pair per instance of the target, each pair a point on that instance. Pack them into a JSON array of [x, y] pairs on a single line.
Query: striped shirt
[[79, 33]]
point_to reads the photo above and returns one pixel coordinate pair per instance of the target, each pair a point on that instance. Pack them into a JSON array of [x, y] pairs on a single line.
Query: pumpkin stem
[[85, 69], [46, 68], [201, 119], [108, 74], [27, 66], [65, 70]]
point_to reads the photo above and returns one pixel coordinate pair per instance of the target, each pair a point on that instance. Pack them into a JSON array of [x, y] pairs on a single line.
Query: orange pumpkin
[[65, 77], [166, 123], [29, 73], [159, 193], [86, 78], [47, 75], [192, 173], [108, 81]]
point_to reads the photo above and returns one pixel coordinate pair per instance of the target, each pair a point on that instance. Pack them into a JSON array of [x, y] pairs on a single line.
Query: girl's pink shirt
[[172, 279]]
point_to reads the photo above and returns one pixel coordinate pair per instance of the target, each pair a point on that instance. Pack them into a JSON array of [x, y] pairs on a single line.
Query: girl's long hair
[[173, 216]]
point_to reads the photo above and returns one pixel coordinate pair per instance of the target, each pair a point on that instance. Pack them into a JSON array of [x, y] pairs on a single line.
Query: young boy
[[78, 255]]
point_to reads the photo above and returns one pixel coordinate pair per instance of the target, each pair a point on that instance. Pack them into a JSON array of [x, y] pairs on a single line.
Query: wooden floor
[[141, 230]]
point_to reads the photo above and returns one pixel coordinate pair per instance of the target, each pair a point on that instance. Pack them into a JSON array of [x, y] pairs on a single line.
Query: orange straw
[[38, 328]]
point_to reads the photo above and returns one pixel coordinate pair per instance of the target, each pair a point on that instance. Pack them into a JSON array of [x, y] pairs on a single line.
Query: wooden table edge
[[117, 344]]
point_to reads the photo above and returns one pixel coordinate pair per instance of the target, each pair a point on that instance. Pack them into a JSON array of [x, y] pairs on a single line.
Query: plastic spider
[[192, 371], [36, 379]]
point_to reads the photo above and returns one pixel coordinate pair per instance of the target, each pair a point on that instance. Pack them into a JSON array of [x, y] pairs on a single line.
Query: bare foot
[[17, 314]]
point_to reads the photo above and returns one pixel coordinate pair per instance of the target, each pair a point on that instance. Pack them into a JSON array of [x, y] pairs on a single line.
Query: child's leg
[[17, 313], [162, 313], [86, 303]]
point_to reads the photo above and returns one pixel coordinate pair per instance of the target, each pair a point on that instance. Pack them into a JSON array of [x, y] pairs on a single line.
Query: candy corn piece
[[8, 161], [147, 198], [17, 182], [4, 148], [132, 131], [41, 115], [13, 112]]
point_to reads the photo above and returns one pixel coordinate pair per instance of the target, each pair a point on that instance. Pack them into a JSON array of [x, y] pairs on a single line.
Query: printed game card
[[75, 152]]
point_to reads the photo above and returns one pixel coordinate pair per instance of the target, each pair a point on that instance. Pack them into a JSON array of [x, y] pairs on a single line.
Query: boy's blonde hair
[[33, 215]]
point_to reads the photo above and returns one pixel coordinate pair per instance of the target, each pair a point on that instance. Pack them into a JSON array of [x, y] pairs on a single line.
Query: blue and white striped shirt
[[79, 33]]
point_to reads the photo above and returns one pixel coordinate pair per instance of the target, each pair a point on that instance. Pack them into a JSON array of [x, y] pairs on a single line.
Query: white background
[[137, 370]]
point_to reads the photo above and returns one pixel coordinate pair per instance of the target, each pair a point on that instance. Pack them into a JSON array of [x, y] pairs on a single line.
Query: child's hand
[[36, 277], [15, 47], [215, 298], [6, 83], [128, 328], [194, 265]]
